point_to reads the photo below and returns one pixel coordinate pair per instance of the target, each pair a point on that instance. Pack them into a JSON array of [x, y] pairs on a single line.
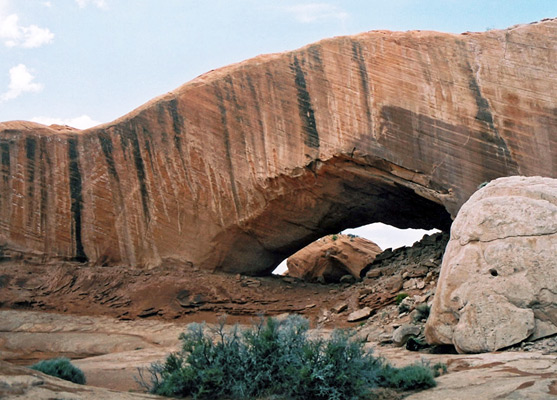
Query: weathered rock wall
[[244, 165]]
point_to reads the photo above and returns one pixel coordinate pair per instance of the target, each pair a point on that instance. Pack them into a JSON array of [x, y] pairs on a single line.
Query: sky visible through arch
[[84, 62]]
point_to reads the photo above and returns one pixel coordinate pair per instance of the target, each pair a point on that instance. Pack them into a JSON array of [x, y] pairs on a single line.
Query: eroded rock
[[497, 282], [360, 314], [245, 165], [333, 257], [405, 332]]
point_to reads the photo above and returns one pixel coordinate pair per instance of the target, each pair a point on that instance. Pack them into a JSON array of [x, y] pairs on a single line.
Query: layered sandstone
[[241, 167], [499, 273], [332, 257]]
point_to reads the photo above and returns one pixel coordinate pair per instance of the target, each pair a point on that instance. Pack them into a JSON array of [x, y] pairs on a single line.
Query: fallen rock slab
[[333, 258], [358, 315]]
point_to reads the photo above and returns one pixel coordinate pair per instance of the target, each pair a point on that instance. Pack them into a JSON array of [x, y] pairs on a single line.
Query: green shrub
[[399, 297], [422, 312], [439, 369], [273, 358], [61, 368], [403, 307], [411, 377]]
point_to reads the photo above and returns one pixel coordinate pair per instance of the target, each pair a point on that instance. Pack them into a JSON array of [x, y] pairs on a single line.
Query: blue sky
[[83, 62]]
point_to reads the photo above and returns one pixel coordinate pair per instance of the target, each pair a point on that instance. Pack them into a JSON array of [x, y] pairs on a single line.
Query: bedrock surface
[[244, 165]]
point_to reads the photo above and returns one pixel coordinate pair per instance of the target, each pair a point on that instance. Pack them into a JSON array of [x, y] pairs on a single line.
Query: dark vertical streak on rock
[[358, 57], [253, 94], [304, 104], [226, 137], [76, 196], [30, 147], [30, 151], [148, 138], [484, 113], [5, 151], [485, 116], [107, 149], [178, 126], [140, 170], [6, 176], [44, 166]]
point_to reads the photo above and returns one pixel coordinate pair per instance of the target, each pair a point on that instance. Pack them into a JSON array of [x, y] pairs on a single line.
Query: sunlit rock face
[[332, 257], [241, 167], [499, 274]]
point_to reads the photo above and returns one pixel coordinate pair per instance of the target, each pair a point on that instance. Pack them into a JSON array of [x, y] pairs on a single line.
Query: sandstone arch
[[246, 164]]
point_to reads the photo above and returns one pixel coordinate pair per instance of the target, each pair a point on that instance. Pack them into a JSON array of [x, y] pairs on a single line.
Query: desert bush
[[422, 312], [273, 358], [439, 369], [399, 297], [411, 377], [61, 368]]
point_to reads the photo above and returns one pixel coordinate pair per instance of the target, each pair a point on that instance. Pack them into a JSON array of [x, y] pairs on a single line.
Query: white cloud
[[13, 34], [102, 4], [47, 4], [315, 12], [21, 81], [81, 122], [3, 6]]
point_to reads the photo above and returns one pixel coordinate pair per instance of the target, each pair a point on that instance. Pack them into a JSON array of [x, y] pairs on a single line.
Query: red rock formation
[[332, 257], [244, 165]]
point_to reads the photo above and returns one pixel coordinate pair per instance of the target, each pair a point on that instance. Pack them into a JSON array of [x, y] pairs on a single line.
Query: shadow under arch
[[326, 197]]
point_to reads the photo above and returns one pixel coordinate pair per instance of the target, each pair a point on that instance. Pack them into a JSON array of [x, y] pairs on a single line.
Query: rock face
[[243, 166], [331, 257], [498, 280]]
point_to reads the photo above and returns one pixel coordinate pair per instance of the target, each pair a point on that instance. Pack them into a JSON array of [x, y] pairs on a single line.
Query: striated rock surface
[[498, 280], [330, 258], [245, 165]]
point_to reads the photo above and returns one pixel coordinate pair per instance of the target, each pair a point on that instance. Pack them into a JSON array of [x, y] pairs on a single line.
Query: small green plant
[[334, 237], [411, 377], [481, 185], [399, 297], [273, 359], [61, 368], [439, 369], [403, 307], [422, 312]]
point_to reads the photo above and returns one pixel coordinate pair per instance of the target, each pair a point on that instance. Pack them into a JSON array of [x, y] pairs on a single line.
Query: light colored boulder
[[498, 281], [405, 332], [359, 314], [333, 258]]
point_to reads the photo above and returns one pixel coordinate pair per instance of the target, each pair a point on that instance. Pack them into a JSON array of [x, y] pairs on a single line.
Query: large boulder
[[498, 281], [243, 166], [331, 257]]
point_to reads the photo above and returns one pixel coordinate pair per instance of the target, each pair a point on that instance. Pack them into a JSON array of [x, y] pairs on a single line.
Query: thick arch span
[[246, 164]]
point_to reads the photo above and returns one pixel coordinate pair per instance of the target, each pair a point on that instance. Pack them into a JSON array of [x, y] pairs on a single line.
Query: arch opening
[[326, 198], [385, 236]]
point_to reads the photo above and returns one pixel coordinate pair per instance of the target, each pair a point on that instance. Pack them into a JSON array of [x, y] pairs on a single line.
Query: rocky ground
[[111, 321], [109, 351]]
